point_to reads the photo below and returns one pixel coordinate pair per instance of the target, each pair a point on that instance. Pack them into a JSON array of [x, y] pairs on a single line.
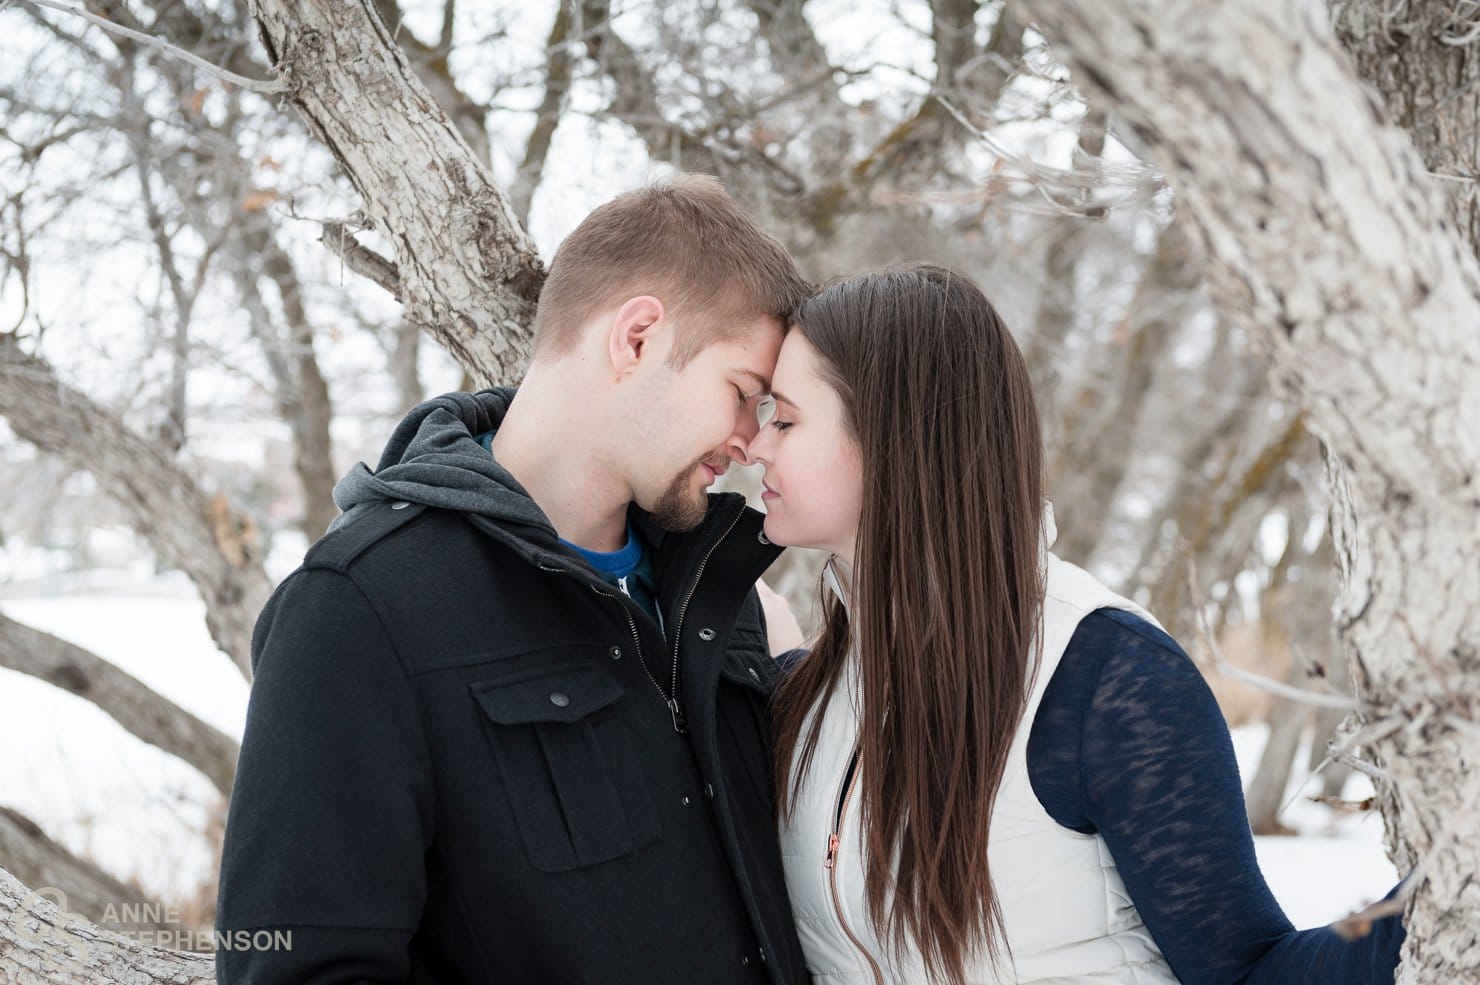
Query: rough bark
[[199, 534], [139, 709], [1330, 246], [469, 274], [1430, 85], [430, 63], [44, 944]]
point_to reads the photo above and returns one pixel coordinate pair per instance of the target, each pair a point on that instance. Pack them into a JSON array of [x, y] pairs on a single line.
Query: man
[[509, 718]]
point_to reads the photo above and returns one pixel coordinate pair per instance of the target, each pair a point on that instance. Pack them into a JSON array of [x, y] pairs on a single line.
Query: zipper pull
[[832, 851], [680, 724]]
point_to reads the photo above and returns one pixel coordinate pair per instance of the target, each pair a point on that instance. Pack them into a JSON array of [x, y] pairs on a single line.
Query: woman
[[990, 767]]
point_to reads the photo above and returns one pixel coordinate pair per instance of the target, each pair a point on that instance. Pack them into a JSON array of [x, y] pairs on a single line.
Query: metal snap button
[[400, 504], [763, 538], [559, 699], [616, 652], [706, 634], [709, 791], [754, 675], [745, 959]]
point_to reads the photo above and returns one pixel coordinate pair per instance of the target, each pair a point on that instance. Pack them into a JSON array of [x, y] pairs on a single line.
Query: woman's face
[[814, 474]]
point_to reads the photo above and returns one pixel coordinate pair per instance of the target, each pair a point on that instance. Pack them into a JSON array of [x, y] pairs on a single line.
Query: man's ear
[[635, 326]]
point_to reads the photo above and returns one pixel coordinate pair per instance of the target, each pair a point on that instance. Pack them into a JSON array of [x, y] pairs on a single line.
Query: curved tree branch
[[127, 700], [201, 535]]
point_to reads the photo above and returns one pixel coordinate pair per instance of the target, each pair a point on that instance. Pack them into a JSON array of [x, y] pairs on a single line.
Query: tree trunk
[[306, 404], [1330, 245], [1266, 791], [468, 273]]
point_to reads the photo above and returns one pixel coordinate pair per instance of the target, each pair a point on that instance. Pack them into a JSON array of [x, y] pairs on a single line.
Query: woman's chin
[[782, 536], [777, 533]]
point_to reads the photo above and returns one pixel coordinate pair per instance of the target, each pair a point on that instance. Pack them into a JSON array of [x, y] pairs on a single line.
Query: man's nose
[[750, 448], [741, 438]]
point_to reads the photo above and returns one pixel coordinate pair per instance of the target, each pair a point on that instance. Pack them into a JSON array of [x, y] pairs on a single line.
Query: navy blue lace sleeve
[[1129, 743]]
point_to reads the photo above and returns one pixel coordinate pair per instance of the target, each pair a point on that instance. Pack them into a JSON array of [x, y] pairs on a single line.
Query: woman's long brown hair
[[946, 595]]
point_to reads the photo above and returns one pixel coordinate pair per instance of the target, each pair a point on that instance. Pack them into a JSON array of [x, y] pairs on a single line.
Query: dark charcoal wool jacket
[[459, 766]]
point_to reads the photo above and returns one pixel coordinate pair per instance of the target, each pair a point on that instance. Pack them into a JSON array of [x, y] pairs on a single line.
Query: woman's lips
[[769, 493]]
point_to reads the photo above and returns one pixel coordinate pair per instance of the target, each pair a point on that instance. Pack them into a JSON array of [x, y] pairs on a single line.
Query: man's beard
[[679, 508]]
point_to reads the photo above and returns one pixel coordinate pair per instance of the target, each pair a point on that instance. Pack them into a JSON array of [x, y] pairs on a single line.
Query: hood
[[433, 458]]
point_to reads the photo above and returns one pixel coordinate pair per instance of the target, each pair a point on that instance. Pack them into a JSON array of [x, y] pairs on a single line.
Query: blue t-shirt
[[629, 569]]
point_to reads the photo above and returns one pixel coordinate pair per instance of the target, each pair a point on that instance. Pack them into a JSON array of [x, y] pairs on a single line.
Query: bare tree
[[1330, 246]]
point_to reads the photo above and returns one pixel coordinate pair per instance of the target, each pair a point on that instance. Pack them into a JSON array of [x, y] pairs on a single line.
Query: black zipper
[[679, 724], [670, 697]]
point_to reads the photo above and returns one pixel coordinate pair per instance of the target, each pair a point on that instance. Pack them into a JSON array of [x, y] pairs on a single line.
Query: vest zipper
[[834, 840]]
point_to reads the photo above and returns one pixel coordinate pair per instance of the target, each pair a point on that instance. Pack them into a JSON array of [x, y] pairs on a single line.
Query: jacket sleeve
[[330, 816], [1130, 744]]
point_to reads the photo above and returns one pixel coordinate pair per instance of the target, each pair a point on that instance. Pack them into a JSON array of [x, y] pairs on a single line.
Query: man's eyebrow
[[756, 378]]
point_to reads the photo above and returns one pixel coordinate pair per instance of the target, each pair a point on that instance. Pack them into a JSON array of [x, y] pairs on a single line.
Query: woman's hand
[[781, 626]]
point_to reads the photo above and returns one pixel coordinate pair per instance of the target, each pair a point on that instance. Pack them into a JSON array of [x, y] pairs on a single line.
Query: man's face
[[700, 419]]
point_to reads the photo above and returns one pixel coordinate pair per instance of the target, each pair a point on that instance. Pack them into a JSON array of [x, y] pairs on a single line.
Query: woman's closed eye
[[780, 425]]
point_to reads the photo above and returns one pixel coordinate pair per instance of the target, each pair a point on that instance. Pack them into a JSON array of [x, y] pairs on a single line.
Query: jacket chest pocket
[[569, 767]]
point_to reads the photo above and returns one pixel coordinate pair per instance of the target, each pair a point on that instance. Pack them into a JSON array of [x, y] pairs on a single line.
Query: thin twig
[[1140, 180], [360, 258], [255, 85], [1225, 667], [1365, 735], [1359, 924]]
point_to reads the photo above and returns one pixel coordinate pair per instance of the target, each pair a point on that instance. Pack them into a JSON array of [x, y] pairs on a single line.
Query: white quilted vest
[[1068, 916]]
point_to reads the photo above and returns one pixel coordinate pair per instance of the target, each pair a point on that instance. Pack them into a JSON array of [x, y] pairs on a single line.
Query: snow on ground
[[144, 815], [1336, 865], [92, 786]]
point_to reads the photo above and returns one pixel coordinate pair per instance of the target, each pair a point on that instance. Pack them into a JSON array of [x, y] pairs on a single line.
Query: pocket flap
[[561, 696]]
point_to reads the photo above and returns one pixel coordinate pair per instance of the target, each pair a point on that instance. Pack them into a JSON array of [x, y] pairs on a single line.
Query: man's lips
[[715, 471]]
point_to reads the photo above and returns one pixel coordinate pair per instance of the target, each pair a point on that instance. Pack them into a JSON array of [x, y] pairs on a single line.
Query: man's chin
[[680, 508]]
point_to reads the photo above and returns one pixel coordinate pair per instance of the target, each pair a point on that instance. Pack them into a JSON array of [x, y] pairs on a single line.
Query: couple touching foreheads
[[518, 716]]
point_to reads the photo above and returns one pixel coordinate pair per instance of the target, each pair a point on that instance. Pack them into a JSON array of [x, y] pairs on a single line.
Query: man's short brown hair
[[686, 242]]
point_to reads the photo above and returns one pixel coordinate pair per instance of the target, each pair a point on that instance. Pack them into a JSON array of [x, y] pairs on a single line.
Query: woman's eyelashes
[[780, 425]]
